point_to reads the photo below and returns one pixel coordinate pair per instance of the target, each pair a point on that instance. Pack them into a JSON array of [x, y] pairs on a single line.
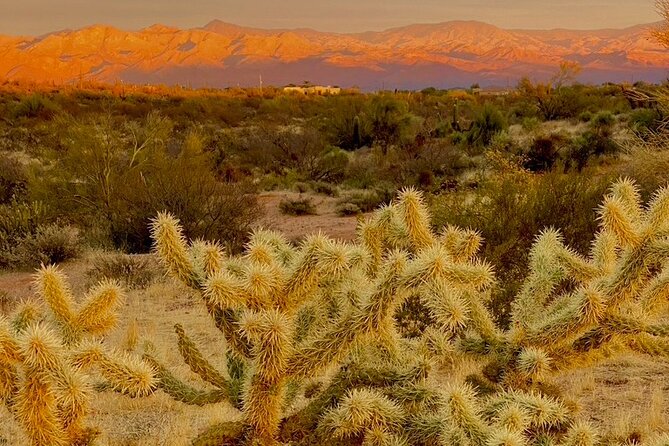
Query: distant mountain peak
[[447, 54], [161, 29]]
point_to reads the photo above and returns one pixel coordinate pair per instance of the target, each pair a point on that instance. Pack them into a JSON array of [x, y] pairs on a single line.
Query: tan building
[[313, 89]]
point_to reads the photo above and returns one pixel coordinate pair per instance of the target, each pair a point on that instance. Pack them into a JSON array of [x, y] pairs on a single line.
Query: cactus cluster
[[290, 314], [573, 310], [314, 351], [48, 360]]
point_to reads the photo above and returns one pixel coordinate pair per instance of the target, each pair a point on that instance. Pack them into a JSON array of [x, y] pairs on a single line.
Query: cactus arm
[[658, 213], [36, 410], [615, 217], [656, 292], [98, 313], [172, 250], [463, 413], [264, 399], [53, 289], [126, 374], [481, 318], [226, 321], [416, 218], [196, 361], [200, 366], [9, 381], [583, 310], [182, 392]]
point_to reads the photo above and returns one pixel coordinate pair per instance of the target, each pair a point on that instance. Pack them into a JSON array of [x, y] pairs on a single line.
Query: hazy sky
[[32, 17]]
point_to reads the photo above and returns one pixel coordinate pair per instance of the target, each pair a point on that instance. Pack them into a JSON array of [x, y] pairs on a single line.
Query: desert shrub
[[297, 206], [50, 244], [20, 224], [347, 209], [588, 145], [488, 122], [603, 119], [530, 124], [643, 120], [389, 120], [348, 126], [136, 168], [586, 116], [322, 187], [544, 153], [35, 106], [133, 271], [13, 179], [365, 200], [301, 187]]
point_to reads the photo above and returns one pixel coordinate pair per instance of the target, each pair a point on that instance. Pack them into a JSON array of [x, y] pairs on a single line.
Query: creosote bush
[[297, 206], [134, 271]]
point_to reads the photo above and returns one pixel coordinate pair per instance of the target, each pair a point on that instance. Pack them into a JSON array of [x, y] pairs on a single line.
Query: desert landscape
[[453, 233]]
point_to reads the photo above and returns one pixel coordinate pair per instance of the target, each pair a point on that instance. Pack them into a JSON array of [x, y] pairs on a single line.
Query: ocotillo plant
[[289, 314], [43, 381]]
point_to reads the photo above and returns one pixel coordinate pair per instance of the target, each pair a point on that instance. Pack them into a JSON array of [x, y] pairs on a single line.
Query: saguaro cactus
[[43, 378]]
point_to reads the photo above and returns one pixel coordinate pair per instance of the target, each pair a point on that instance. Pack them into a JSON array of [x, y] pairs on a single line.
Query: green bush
[[488, 123], [134, 271], [297, 206], [35, 106], [13, 179], [531, 123], [645, 119], [50, 244], [586, 117]]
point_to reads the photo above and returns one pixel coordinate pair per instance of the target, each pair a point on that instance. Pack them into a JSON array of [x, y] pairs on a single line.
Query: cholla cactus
[[289, 314], [43, 381], [572, 310]]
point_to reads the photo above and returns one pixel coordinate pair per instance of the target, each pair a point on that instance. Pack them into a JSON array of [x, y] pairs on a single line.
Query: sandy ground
[[326, 221]]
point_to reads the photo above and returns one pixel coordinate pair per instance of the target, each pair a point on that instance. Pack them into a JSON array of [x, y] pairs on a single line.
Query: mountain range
[[442, 55]]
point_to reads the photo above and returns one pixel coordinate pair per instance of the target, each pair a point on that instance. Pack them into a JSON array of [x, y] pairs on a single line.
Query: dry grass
[[626, 397]]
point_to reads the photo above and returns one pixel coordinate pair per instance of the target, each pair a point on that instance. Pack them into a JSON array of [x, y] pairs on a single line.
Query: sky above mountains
[[35, 17]]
